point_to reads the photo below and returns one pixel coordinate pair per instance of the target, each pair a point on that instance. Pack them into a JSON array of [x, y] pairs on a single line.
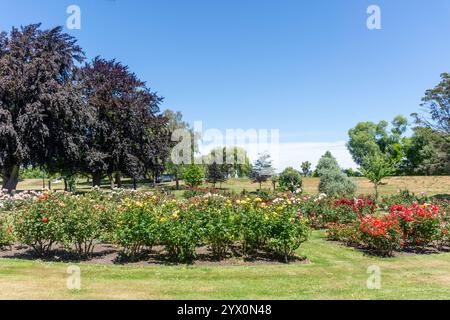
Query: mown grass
[[435, 185], [334, 272]]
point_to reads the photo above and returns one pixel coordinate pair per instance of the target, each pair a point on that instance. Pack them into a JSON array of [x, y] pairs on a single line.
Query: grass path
[[335, 272]]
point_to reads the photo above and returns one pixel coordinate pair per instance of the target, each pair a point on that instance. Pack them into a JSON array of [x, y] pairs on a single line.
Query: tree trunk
[[134, 184], [96, 179], [177, 182], [111, 181], [118, 180], [376, 192], [11, 178], [66, 186]]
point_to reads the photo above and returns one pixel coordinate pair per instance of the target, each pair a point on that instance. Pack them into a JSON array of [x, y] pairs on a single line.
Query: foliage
[[85, 221], [420, 223], [40, 224], [6, 231], [375, 140], [216, 173], [193, 176], [404, 197], [32, 173], [436, 103], [381, 233], [427, 152], [127, 133], [333, 182], [262, 169], [181, 233], [137, 227], [218, 224], [40, 124], [306, 168], [375, 168], [291, 180], [287, 232], [233, 161]]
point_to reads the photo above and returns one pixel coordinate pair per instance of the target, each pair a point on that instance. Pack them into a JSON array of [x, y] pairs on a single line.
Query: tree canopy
[[56, 115]]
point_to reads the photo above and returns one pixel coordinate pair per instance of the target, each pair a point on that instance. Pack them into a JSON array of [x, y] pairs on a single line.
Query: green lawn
[[433, 185], [335, 272]]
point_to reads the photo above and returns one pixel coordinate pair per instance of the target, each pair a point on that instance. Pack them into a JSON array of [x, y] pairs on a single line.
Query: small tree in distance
[[291, 179], [306, 168], [262, 170], [215, 173], [193, 176], [375, 168]]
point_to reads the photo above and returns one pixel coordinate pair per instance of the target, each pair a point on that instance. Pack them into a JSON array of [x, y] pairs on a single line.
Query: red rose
[[44, 220]]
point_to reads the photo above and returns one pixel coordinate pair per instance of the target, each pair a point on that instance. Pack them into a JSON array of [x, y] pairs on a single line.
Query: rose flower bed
[[413, 226], [139, 221]]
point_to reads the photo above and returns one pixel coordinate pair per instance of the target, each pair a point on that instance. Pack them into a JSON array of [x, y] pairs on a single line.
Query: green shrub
[[253, 225], [290, 180], [287, 232], [83, 223], [137, 227], [336, 184], [345, 233], [6, 231], [383, 234], [181, 234], [193, 176], [218, 225], [333, 182], [39, 224], [421, 224]]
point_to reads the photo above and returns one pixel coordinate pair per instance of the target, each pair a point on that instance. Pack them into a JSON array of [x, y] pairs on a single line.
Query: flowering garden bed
[[129, 226], [140, 223]]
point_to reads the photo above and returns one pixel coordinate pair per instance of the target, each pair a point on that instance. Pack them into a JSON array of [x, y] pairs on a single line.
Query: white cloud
[[292, 154]]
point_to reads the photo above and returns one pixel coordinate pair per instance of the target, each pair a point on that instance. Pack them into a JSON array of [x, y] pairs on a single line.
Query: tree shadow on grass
[[54, 255], [107, 254], [433, 249]]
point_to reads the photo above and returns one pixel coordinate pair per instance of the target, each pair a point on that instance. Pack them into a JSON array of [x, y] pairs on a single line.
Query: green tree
[[193, 176], [262, 170], [275, 180], [375, 168], [306, 168], [368, 138], [215, 173], [427, 152], [436, 105], [176, 122], [290, 179], [327, 162], [234, 160], [333, 181]]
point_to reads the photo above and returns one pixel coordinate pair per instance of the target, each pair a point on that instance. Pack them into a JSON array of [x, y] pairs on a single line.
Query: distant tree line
[[425, 152]]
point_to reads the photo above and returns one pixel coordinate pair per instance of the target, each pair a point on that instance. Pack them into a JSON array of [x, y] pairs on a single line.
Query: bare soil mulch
[[108, 254]]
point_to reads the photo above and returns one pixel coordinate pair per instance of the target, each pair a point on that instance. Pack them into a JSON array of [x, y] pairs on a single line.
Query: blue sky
[[309, 68]]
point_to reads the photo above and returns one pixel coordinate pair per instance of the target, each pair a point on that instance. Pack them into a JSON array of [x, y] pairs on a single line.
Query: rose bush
[[39, 224], [381, 233], [421, 224]]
